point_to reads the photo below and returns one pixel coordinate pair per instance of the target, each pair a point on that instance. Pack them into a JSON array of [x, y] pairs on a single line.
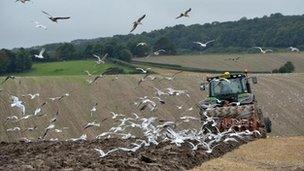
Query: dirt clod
[[82, 156]]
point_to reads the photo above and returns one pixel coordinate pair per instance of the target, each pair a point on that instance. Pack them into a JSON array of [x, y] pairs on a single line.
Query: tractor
[[232, 103]]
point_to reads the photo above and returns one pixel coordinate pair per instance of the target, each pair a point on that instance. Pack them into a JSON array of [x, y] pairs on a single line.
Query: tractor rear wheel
[[267, 123]]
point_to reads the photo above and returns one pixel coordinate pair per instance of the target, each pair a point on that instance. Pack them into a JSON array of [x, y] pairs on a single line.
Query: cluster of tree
[[288, 67], [275, 31], [13, 62]]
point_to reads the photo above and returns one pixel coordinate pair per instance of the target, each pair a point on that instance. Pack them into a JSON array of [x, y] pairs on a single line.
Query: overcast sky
[[100, 18]]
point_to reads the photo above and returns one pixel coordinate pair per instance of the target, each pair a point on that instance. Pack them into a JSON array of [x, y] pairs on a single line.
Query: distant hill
[[276, 31]]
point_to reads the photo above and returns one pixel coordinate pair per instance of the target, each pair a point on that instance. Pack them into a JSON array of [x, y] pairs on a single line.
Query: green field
[[71, 68]]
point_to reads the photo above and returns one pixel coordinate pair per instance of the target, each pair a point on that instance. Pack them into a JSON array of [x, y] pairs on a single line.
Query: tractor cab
[[230, 88]]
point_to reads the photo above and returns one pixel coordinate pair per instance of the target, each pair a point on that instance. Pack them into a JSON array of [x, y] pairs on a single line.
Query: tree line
[[14, 62], [275, 31]]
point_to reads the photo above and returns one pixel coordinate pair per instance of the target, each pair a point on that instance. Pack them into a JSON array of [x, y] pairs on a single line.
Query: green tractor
[[233, 104]]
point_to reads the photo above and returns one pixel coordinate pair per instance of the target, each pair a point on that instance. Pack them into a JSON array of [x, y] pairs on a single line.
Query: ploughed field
[[280, 96], [81, 155], [223, 62]]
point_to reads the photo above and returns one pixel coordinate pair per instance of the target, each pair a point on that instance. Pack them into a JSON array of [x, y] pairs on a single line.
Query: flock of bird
[[144, 131], [153, 131]]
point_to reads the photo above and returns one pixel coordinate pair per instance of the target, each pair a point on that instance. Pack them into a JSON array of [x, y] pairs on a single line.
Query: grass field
[[70, 68], [221, 62]]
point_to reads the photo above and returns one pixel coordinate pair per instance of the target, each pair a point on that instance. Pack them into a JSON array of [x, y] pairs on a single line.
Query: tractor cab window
[[224, 86]]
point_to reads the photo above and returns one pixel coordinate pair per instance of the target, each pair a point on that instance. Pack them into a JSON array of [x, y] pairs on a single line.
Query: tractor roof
[[226, 75]]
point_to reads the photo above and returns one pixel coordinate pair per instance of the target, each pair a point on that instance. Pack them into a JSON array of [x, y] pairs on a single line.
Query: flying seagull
[[142, 44], [23, 1], [95, 79], [185, 14], [93, 109], [38, 25], [156, 53], [13, 129], [115, 115], [204, 44], [18, 103], [14, 117], [91, 124], [159, 99], [7, 78], [159, 92], [88, 73], [263, 51], [39, 109], [33, 96], [40, 56], [294, 49], [103, 154], [59, 98], [100, 60], [30, 129], [173, 76], [138, 22], [55, 19], [143, 70], [47, 129]]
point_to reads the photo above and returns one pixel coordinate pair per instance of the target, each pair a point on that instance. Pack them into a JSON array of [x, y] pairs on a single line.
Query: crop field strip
[[251, 62]]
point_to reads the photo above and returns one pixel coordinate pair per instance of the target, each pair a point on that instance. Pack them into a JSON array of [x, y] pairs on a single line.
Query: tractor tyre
[[267, 123]]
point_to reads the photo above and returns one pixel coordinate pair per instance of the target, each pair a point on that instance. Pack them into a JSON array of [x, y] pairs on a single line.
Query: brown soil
[[81, 155], [281, 97], [264, 154]]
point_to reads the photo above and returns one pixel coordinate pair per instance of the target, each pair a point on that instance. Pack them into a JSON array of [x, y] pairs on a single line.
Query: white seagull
[[18, 103], [263, 51], [38, 25], [145, 102], [100, 60], [141, 44], [158, 52], [88, 73], [184, 14], [204, 44], [159, 99], [40, 56], [14, 117], [91, 124], [47, 129], [33, 96], [143, 70], [13, 129], [39, 109], [83, 137], [180, 107], [159, 92], [94, 109], [25, 117], [173, 76], [137, 22], [294, 49], [55, 19], [103, 154], [23, 1], [115, 115]]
